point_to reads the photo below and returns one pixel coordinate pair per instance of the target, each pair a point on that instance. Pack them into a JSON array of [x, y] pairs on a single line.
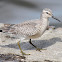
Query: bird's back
[[27, 28]]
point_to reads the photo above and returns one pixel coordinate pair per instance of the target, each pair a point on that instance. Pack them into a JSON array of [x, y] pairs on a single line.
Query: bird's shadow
[[38, 43]]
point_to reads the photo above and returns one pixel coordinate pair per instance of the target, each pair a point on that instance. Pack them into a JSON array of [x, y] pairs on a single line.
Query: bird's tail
[[5, 27]]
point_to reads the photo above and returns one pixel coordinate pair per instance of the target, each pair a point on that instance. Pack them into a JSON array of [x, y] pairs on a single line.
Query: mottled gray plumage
[[30, 29]]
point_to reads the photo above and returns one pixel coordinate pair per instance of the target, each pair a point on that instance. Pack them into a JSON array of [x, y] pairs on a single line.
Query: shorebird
[[30, 29]]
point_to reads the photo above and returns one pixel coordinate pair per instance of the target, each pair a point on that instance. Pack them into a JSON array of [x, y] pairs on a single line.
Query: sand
[[51, 40]]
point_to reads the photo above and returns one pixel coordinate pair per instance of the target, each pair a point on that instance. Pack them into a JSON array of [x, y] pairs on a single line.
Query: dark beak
[[56, 18]]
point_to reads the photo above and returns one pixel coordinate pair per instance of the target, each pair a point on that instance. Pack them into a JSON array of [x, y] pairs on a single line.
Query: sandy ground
[[50, 40]]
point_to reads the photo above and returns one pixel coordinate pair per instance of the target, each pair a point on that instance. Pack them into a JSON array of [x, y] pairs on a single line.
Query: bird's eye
[[47, 12]]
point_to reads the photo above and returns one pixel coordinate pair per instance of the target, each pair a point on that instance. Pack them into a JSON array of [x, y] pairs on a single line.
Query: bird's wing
[[26, 28]]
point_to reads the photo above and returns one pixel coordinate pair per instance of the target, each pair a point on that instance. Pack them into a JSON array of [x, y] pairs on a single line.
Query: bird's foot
[[38, 49], [24, 53]]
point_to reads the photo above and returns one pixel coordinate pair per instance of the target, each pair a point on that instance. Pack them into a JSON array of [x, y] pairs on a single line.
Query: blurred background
[[17, 11]]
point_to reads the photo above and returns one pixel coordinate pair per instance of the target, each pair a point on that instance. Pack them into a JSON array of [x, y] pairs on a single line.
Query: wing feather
[[27, 28]]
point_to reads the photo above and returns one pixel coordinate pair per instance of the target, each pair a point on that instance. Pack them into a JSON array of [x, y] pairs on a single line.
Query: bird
[[31, 29]]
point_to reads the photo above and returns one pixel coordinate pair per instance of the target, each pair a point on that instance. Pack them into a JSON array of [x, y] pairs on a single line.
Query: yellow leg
[[21, 49]]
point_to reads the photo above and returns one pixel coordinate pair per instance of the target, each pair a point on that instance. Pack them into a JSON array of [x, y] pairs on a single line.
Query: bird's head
[[48, 13]]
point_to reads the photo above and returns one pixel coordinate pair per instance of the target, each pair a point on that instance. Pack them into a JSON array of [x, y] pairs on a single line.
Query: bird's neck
[[44, 19], [44, 23]]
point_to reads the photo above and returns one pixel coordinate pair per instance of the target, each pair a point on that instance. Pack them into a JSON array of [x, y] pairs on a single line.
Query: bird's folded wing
[[28, 29]]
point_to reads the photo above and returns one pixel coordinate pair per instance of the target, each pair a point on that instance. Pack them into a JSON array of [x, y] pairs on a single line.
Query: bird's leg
[[35, 46], [21, 49]]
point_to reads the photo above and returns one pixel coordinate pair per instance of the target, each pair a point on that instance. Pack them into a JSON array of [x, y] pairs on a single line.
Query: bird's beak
[[55, 18]]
